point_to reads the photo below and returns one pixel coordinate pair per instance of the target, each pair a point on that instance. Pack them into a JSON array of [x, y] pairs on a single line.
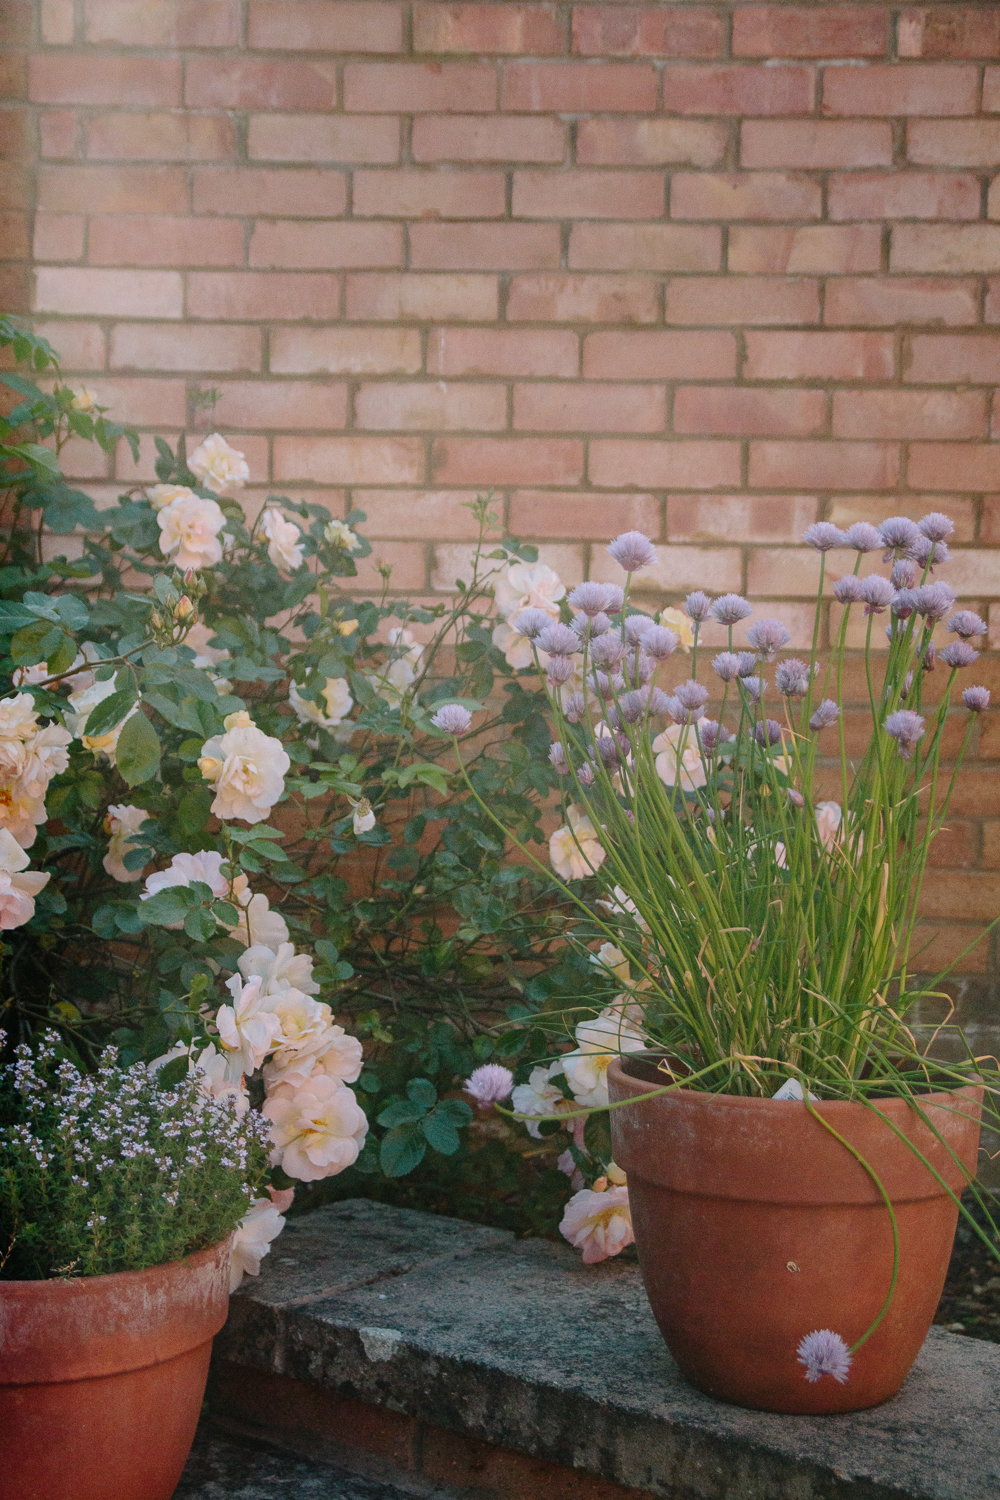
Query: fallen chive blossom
[[959, 654], [966, 623], [633, 551], [791, 678], [847, 590], [730, 609], [976, 699], [726, 665], [863, 537], [823, 535], [489, 1084], [824, 1353], [937, 526], [452, 718], [877, 593], [698, 606], [826, 713], [767, 638], [906, 728]]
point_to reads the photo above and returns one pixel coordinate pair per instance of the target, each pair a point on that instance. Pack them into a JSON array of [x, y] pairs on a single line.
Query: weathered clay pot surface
[[102, 1379], [755, 1227]]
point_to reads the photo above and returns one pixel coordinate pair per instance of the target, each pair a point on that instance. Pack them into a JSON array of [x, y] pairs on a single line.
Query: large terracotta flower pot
[[102, 1378], [755, 1227]]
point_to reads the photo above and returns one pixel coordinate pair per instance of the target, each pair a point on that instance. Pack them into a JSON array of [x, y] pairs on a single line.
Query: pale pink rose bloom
[[599, 1224], [47, 756], [122, 820], [82, 702], [338, 1055], [213, 1069], [247, 1030], [18, 885], [280, 968], [516, 648], [529, 586], [674, 763], [219, 467], [540, 1098], [252, 1240], [283, 538], [828, 819], [189, 532], [319, 1128], [598, 1042], [162, 495], [247, 768], [21, 814], [574, 849], [335, 698]]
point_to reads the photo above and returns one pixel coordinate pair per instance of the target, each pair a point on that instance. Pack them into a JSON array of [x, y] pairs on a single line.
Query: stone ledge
[[516, 1344]]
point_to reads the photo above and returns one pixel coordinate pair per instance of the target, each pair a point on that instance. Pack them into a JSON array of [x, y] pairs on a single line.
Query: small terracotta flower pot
[[102, 1378], [755, 1227]]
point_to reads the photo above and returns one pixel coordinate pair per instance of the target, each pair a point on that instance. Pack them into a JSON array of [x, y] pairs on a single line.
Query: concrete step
[[228, 1466]]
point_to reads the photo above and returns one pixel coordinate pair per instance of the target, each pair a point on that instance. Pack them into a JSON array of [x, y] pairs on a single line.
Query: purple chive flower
[[589, 627], [726, 665], [632, 551], [847, 590], [574, 708], [824, 1353], [634, 628], [826, 713], [615, 599], [692, 694], [966, 623], [767, 638], [904, 603], [607, 751], [863, 537], [795, 798], [907, 684], [558, 640], [632, 705], [730, 609], [935, 600], [658, 700], [877, 593], [976, 698], [697, 606], [768, 733], [903, 573], [585, 776], [660, 642], [937, 526], [959, 654], [557, 758], [897, 533], [531, 622], [452, 718], [559, 670], [604, 686], [929, 554], [607, 650], [929, 657], [823, 535], [755, 688], [678, 712], [792, 678], [591, 598], [710, 735], [637, 670], [748, 663], [906, 729], [489, 1084]]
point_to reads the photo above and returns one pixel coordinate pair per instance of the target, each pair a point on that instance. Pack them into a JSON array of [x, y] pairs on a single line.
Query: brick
[[15, 242], [573, 194], [972, 897], [13, 75], [583, 299], [738, 90], [503, 461], [15, 133], [659, 355], [277, 404], [678, 569], [815, 143], [258, 83], [642, 143], [434, 407], [992, 309], [80, 345], [429, 194], [350, 460], [909, 414], [991, 90], [407, 560], [989, 529], [953, 143], [739, 195], [809, 31], [885, 302], [159, 137], [128, 239], [823, 465], [844, 512], [16, 184], [465, 298], [645, 247], [589, 407], [953, 466], [974, 573], [211, 347], [376, 88], [639, 31], [993, 208], [810, 248], [819, 356], [57, 237], [482, 27], [327, 138], [86, 189], [163, 23], [61, 78], [663, 464], [418, 514], [451, 563], [900, 89], [263, 294], [484, 247], [345, 351], [145, 402], [579, 516], [57, 130], [58, 22], [306, 191], [903, 195], [501, 351], [739, 518], [949, 32], [16, 24], [943, 359], [742, 299], [290, 244], [579, 88], [729, 411], [325, 26], [789, 572], [501, 138], [939, 947], [945, 247], [129, 294]]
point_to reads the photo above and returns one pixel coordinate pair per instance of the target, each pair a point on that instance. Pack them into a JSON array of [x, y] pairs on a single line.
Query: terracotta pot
[[102, 1379], [755, 1227]]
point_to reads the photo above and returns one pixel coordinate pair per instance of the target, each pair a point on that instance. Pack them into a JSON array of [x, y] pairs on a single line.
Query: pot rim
[[193, 1258]]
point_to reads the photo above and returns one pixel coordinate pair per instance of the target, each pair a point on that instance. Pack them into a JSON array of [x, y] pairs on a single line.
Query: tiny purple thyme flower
[[557, 759], [877, 593], [863, 537], [660, 642], [823, 535], [959, 654], [558, 640], [937, 527], [826, 713], [897, 533], [632, 551], [824, 1353], [452, 719], [531, 622], [697, 606], [768, 733], [591, 598], [976, 698], [767, 638], [489, 1084], [730, 609], [791, 678], [726, 665], [935, 600], [966, 623], [847, 590], [903, 573], [906, 729]]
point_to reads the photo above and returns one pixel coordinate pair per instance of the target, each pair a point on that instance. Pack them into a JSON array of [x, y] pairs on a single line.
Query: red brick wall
[[709, 270]]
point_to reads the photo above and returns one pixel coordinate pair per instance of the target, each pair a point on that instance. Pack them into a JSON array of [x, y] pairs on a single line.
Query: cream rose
[[252, 1240], [219, 467], [529, 586], [284, 540], [339, 535], [598, 1041], [334, 704], [162, 495], [121, 821], [679, 758], [18, 885], [599, 1224], [247, 768], [247, 1030], [280, 969], [574, 849], [189, 532], [319, 1128]]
